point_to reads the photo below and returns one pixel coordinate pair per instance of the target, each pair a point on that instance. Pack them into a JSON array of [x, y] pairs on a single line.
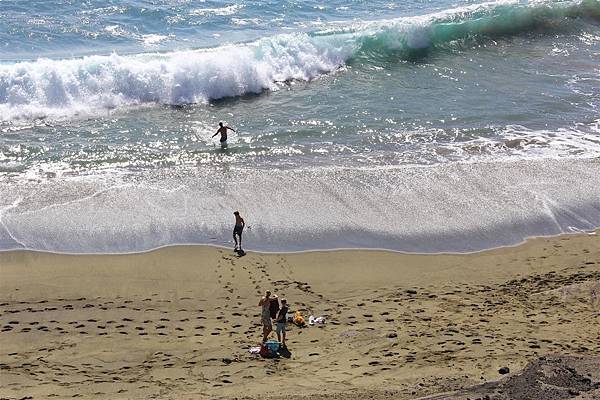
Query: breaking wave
[[67, 87]]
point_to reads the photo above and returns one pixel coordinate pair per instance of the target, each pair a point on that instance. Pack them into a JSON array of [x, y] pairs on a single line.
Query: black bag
[[284, 352]]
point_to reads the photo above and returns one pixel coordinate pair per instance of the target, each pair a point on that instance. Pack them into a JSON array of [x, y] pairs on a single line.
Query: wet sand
[[178, 322]]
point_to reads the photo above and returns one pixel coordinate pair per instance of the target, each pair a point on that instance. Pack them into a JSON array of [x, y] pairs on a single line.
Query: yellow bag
[[298, 319]]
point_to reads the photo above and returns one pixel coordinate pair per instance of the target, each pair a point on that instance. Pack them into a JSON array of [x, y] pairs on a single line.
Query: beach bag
[[273, 345], [284, 352], [274, 308], [265, 352], [269, 349], [299, 319]]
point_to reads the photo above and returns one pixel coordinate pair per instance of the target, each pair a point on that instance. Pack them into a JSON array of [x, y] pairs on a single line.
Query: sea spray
[[63, 87]]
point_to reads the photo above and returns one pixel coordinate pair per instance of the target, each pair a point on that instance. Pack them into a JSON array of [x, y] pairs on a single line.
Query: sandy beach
[[178, 322], [421, 177]]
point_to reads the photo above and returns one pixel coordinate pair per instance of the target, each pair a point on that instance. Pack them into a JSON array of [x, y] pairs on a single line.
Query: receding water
[[345, 112]]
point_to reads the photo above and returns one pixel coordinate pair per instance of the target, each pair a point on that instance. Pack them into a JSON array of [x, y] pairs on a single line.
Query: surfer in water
[[223, 131]]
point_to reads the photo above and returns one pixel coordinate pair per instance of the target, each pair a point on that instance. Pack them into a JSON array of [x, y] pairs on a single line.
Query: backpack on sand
[[269, 349]]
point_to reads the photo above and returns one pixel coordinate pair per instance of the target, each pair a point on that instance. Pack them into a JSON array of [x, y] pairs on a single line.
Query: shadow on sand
[[240, 253]]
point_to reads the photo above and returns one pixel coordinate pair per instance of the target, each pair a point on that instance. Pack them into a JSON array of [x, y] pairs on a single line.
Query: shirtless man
[[223, 131], [265, 314], [237, 230]]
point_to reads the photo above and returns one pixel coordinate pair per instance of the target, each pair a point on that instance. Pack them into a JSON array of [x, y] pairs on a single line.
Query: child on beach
[[281, 321]]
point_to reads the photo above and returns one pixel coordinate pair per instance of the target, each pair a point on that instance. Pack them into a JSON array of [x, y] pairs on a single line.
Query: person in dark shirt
[[237, 230], [281, 321]]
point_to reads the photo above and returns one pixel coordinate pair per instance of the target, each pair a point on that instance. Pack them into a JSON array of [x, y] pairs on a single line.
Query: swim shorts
[[280, 327], [266, 321], [238, 230]]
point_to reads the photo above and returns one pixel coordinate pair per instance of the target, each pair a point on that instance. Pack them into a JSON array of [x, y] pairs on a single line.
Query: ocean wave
[[54, 88]]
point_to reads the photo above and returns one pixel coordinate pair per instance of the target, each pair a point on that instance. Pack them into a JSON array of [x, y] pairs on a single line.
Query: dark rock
[[227, 360], [392, 335], [504, 370], [411, 291]]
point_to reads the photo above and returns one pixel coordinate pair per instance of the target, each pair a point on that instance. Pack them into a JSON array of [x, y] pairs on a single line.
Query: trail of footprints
[[258, 279], [428, 325], [139, 321], [48, 324], [421, 326]]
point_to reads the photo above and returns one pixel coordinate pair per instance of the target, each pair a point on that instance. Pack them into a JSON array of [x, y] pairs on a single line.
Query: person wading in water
[[223, 131]]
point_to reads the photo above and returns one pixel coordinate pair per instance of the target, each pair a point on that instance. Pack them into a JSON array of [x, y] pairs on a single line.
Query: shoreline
[[178, 322], [591, 232], [447, 208]]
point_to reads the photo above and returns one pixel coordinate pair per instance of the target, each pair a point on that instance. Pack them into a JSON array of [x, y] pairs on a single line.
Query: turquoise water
[[62, 29], [346, 112]]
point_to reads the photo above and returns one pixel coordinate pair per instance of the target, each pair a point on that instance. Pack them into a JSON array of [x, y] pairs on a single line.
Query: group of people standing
[[272, 310]]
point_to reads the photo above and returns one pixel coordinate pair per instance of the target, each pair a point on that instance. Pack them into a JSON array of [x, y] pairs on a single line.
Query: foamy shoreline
[[440, 209], [592, 232]]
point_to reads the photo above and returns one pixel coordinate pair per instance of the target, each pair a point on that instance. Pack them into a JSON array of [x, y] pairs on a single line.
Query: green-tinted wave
[[416, 37]]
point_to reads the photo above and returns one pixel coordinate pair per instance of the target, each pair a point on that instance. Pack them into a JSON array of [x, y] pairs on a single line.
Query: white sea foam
[[153, 39], [66, 87], [45, 87], [458, 207], [222, 11]]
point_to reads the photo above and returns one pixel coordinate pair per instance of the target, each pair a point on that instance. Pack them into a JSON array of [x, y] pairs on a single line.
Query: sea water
[[414, 126]]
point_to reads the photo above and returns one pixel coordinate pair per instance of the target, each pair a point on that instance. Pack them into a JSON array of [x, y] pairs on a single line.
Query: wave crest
[[46, 87]]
